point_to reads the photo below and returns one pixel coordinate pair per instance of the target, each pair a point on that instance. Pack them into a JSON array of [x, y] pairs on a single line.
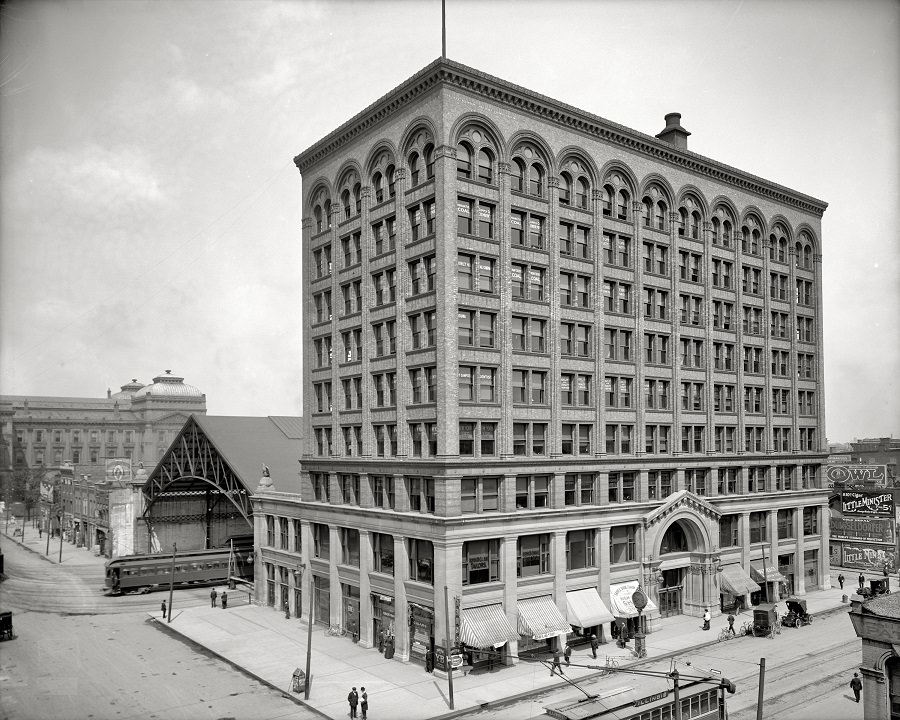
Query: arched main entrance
[[681, 554]]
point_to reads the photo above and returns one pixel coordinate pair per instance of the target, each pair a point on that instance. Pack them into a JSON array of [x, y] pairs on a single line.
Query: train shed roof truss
[[193, 466]]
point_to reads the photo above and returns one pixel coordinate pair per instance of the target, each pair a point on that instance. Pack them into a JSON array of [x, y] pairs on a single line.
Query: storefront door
[[670, 602]]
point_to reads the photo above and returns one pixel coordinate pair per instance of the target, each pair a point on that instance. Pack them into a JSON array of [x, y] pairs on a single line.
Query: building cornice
[[444, 72]]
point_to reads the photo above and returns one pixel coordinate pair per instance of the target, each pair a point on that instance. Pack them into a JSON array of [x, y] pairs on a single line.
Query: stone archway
[[679, 543]]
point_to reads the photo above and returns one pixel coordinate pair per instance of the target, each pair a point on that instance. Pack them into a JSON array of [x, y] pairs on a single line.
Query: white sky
[[150, 213]]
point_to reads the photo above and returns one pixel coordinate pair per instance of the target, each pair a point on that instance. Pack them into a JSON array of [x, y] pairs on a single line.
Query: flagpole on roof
[[443, 29]]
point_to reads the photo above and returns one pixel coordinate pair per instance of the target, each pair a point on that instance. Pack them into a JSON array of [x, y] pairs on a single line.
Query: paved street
[[79, 654]]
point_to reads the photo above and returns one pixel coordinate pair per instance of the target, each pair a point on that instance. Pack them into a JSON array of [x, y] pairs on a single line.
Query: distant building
[[877, 623], [548, 359], [100, 440], [878, 451]]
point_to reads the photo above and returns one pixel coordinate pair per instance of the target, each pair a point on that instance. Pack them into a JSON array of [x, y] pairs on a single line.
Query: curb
[[167, 628]]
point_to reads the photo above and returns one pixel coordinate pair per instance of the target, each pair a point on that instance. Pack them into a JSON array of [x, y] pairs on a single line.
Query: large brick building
[[547, 359]]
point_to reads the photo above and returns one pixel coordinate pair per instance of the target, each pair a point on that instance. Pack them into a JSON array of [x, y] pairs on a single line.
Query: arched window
[[674, 540], [428, 152], [726, 233], [414, 169], [682, 221], [463, 162], [485, 167], [345, 203], [648, 212], [327, 214], [378, 185], [661, 212], [606, 200], [390, 172], [716, 229], [517, 175], [581, 193], [357, 198], [622, 200], [536, 180], [565, 189], [695, 225], [317, 214]]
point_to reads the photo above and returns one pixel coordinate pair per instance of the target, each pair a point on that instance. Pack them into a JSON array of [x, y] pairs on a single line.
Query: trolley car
[[143, 573]]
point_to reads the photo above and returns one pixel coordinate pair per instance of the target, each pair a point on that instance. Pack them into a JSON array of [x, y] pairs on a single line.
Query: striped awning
[[585, 608], [772, 575], [485, 627], [622, 604], [540, 618], [736, 581]]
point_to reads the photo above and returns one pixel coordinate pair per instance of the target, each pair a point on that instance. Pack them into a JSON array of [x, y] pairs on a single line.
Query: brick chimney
[[673, 133]]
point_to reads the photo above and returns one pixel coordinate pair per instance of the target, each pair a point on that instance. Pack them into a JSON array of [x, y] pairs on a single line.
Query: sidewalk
[[71, 555], [267, 646]]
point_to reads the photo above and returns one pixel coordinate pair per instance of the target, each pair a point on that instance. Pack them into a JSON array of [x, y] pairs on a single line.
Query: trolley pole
[[172, 580], [49, 533], [762, 683]]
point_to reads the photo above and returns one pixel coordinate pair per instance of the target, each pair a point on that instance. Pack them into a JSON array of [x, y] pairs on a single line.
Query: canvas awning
[[485, 627], [586, 609], [736, 581], [772, 574], [620, 600], [540, 618]]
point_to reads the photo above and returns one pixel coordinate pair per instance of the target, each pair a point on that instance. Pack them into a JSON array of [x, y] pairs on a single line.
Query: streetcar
[[217, 566]]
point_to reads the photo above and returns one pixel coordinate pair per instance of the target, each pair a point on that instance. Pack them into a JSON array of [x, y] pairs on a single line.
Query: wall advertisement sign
[[868, 557], [863, 529], [867, 503], [851, 474]]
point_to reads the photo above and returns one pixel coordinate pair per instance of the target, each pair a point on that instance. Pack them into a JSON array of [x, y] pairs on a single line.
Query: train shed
[[198, 495]]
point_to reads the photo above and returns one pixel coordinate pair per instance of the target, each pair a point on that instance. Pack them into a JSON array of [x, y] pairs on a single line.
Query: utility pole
[[309, 635], [172, 580], [447, 654], [677, 698], [762, 684], [59, 517], [49, 533]]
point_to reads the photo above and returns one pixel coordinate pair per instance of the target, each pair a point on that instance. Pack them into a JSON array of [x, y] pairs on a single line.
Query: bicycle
[[726, 634], [611, 665], [337, 631], [747, 628]]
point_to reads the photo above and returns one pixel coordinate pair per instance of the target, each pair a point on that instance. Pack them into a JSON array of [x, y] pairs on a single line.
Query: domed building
[[100, 438]]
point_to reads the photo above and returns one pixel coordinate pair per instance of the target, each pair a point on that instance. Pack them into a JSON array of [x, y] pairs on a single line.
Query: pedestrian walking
[[556, 666], [841, 581], [706, 618], [364, 702], [731, 624], [163, 608], [856, 685], [885, 569], [594, 644], [862, 580], [224, 600], [39, 531], [212, 597], [353, 699], [567, 654]]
